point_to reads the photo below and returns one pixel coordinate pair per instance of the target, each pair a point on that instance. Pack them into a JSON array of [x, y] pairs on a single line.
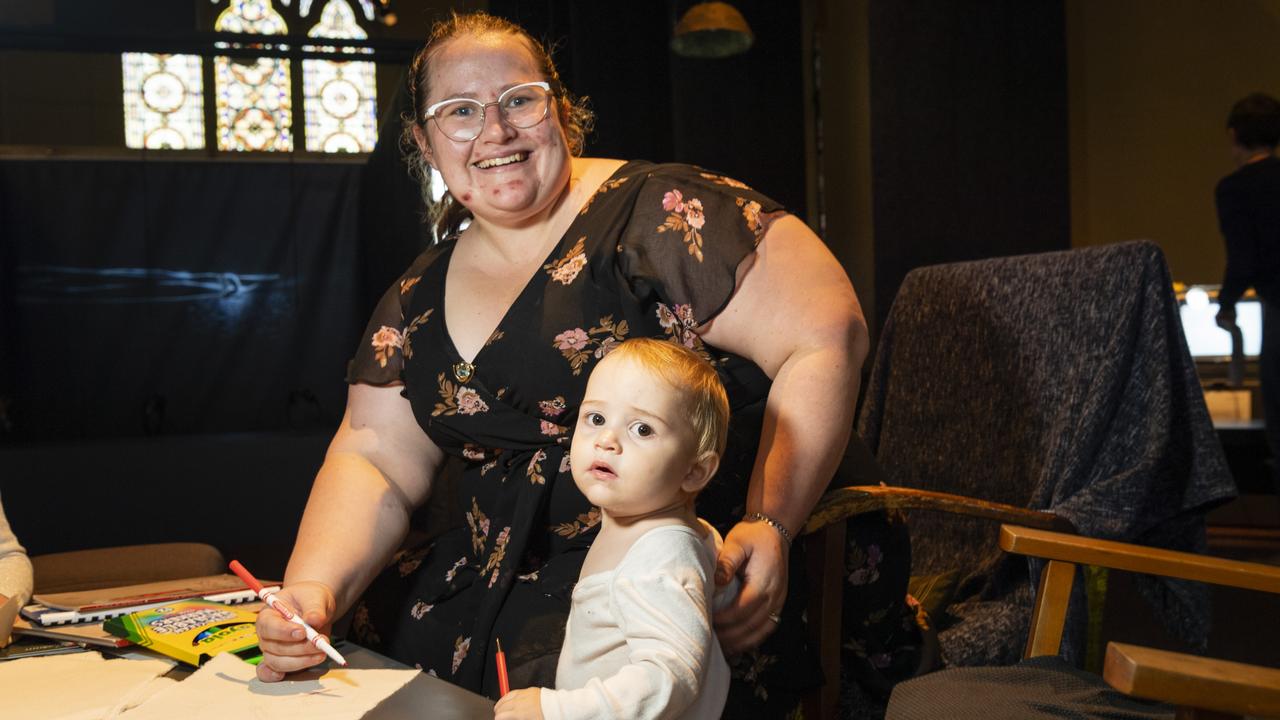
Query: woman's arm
[[378, 468], [794, 313]]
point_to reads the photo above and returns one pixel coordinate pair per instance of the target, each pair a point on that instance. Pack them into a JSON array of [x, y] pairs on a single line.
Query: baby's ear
[[700, 472]]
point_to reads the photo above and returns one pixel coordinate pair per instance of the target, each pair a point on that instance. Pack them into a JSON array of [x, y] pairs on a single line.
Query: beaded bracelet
[[761, 517]]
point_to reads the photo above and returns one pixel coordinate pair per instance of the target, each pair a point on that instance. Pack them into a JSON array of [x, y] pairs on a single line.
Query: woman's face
[[481, 68]]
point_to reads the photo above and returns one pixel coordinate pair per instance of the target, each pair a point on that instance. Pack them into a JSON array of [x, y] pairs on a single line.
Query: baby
[[639, 643]]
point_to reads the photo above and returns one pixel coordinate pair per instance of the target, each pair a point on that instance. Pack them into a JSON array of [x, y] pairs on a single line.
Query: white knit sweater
[[15, 567], [639, 642]]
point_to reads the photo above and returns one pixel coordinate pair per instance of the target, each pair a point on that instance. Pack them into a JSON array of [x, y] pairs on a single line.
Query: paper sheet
[[83, 686], [227, 687]]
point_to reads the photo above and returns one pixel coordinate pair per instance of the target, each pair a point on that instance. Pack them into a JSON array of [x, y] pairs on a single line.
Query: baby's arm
[[524, 704], [659, 601]]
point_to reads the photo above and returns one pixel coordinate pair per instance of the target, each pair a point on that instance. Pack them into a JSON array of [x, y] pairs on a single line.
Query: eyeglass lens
[[522, 106]]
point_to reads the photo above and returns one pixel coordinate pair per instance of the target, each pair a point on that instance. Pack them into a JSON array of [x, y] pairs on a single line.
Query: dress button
[[463, 371]]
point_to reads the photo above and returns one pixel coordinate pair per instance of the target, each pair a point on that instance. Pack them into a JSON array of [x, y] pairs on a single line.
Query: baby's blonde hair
[[692, 376]]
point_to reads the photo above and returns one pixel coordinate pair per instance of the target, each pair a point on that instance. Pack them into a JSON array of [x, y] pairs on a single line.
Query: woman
[[481, 353]]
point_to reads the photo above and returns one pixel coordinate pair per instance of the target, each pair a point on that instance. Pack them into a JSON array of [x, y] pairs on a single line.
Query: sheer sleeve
[[689, 230], [379, 357]]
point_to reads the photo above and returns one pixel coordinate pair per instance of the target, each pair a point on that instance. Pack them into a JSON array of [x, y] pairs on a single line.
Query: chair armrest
[[1136, 558], [1191, 681], [843, 503]]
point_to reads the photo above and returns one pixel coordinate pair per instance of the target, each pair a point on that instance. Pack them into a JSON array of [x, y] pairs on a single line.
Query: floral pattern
[[495, 557], [457, 399], [578, 346], [460, 648], [687, 217], [479, 524], [581, 524], [751, 214], [413, 328], [726, 181], [864, 563], [385, 343], [554, 407], [566, 269], [610, 184], [534, 471]]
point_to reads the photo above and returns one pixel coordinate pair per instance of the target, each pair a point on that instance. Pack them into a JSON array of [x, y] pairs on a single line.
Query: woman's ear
[[700, 472], [424, 146]]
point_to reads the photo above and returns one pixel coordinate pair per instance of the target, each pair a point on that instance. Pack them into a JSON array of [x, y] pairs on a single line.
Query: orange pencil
[[504, 686]]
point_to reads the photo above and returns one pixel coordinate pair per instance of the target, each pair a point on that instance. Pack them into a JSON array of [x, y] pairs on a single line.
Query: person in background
[[479, 355], [1248, 202], [639, 643], [15, 576]]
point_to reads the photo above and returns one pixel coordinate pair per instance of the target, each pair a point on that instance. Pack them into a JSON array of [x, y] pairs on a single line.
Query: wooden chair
[[1199, 687], [824, 538], [124, 565], [1059, 382]]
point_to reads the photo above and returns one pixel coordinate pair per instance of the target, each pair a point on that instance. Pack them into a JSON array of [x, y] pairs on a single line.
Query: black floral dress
[[652, 254]]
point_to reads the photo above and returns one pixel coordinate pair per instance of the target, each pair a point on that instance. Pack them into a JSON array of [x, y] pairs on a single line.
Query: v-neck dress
[[653, 253]]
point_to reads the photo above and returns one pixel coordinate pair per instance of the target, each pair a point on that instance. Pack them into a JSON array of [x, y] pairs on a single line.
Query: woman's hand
[[525, 704], [284, 644], [758, 554]]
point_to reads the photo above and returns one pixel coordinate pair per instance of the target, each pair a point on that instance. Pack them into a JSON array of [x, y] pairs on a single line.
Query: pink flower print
[[419, 609], [574, 339], [469, 402], [868, 573], [564, 464], [566, 273], [673, 201], [693, 214], [460, 648], [471, 452], [551, 429], [385, 342]]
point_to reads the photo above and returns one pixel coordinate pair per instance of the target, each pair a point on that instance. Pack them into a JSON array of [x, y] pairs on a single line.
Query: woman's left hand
[[758, 554]]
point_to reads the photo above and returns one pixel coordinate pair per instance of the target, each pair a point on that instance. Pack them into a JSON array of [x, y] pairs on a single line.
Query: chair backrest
[[1056, 381]]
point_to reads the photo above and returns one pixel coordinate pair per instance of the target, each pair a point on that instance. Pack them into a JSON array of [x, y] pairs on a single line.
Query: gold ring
[[775, 617]]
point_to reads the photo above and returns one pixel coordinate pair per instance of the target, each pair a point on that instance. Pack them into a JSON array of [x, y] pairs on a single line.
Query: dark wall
[[969, 133], [742, 116]]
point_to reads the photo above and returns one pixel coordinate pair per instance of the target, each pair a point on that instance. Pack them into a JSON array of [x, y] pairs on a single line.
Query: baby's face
[[634, 446]]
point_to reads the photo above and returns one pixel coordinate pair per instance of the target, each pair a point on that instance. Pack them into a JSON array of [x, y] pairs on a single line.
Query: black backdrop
[[146, 297]]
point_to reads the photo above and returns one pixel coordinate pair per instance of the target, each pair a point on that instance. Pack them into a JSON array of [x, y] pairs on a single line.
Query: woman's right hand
[[284, 644]]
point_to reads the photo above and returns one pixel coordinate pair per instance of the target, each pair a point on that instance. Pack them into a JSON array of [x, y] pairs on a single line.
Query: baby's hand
[[523, 704]]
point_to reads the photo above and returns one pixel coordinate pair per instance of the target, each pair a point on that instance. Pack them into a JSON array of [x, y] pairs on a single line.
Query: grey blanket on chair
[[1059, 382]]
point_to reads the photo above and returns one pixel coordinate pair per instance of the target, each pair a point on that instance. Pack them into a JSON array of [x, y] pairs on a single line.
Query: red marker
[[269, 597], [504, 686]]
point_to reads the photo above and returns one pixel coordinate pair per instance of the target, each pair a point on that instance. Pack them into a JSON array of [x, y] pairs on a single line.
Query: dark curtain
[[147, 297]]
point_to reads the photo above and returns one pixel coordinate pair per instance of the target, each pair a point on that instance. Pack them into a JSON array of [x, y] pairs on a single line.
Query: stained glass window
[[163, 101], [339, 96], [254, 104]]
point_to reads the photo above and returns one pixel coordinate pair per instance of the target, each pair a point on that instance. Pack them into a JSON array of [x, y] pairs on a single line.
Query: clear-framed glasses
[[522, 106]]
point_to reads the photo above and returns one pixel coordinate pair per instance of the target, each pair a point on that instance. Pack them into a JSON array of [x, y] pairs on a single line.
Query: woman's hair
[[691, 376], [1256, 120], [447, 215]]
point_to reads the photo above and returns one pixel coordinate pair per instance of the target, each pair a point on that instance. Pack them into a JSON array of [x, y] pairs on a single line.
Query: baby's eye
[[594, 418], [642, 429]]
